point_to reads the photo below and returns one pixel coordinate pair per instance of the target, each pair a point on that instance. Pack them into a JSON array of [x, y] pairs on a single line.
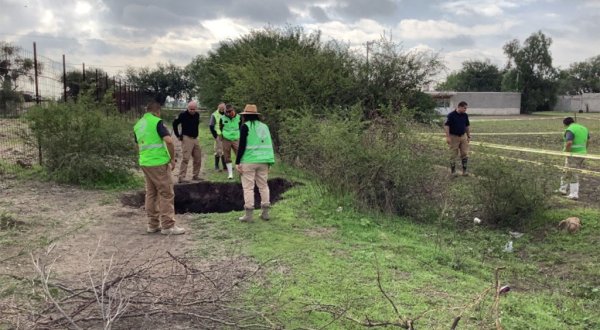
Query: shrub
[[84, 142], [510, 193], [378, 162]]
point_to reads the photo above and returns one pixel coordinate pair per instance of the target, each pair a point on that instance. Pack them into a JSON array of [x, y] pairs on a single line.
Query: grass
[[321, 253], [322, 256]]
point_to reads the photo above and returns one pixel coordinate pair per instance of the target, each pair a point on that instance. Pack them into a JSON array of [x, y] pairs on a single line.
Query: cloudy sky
[[113, 34]]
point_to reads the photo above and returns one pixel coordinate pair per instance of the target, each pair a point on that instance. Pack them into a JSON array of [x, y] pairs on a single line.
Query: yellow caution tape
[[504, 133], [537, 151], [542, 164], [513, 119]]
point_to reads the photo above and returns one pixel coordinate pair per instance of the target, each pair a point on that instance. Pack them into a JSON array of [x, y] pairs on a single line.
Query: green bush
[[85, 142], [378, 162], [510, 193]]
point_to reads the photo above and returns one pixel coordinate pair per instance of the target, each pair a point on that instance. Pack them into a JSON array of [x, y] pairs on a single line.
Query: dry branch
[[164, 288]]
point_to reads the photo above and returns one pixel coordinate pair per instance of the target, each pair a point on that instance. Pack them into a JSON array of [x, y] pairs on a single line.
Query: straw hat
[[250, 109]]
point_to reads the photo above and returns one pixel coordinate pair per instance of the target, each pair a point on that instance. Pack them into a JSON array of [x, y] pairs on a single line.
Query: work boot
[[151, 230], [464, 166], [217, 162], [247, 216], [265, 211], [196, 178], [173, 231], [573, 191], [563, 189], [452, 169], [229, 170]]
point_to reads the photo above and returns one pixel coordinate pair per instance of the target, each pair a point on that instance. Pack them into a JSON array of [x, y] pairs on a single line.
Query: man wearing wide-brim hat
[[255, 156]]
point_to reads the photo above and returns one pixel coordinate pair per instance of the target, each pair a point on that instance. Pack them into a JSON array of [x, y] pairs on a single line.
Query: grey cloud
[[153, 17], [50, 43], [178, 13], [268, 11], [318, 14], [357, 9], [461, 41], [100, 47]]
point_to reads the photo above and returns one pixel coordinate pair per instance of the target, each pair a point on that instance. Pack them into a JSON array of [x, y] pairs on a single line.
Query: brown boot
[[265, 211], [247, 216]]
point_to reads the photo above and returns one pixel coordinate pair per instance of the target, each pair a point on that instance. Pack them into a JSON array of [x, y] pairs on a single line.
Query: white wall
[[482, 103], [587, 102]]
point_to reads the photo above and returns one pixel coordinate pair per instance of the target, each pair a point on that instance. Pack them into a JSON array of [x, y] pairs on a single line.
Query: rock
[[570, 225]]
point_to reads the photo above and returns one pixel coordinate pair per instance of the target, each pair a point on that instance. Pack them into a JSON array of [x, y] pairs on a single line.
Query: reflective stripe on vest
[[151, 146], [259, 147]]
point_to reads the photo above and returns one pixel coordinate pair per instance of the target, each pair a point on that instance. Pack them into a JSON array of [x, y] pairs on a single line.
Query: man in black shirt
[[189, 120], [458, 136]]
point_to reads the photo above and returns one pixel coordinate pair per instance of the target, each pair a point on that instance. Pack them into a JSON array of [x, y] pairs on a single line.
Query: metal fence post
[[35, 70], [64, 79], [97, 88], [120, 95]]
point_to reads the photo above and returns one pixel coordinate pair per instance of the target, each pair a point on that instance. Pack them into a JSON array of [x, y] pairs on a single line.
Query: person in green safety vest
[[215, 130], [575, 141], [157, 160], [230, 128], [254, 157]]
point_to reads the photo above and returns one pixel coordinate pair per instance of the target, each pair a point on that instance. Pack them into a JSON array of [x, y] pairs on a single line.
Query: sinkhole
[[212, 197]]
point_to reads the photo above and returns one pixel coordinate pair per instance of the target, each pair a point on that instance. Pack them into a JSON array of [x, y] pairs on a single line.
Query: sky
[[114, 34]]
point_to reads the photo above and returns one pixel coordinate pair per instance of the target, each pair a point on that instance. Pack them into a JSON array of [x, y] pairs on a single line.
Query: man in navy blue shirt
[[458, 136]]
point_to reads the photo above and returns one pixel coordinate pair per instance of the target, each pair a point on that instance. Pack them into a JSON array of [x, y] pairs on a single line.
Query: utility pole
[[369, 43]]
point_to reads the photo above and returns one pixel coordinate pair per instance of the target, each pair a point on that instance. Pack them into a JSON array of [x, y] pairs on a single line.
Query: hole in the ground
[[212, 197]]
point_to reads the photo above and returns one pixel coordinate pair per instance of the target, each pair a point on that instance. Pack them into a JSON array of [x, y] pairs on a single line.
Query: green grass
[[319, 251], [322, 256]]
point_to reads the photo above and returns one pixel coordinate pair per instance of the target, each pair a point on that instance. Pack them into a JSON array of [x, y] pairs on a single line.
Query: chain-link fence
[[29, 79]]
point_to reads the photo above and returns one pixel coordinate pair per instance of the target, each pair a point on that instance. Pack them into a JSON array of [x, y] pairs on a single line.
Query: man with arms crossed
[[189, 120]]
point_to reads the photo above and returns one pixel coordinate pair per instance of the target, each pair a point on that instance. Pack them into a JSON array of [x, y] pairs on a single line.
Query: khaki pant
[[458, 145], [219, 146], [255, 173], [227, 146], [190, 147], [572, 176], [160, 197]]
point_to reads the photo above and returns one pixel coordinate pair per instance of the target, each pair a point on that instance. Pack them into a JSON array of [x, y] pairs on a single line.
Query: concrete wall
[[587, 102], [480, 103]]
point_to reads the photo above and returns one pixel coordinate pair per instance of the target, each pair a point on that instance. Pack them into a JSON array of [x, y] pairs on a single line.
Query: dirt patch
[[90, 235], [212, 197]]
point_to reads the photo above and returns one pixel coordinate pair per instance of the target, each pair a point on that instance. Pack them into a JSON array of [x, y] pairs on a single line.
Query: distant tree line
[[529, 70], [285, 68]]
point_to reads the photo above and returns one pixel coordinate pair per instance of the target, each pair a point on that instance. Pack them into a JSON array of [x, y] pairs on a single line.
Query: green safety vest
[[580, 138], [231, 128], [153, 151], [217, 115], [259, 147]]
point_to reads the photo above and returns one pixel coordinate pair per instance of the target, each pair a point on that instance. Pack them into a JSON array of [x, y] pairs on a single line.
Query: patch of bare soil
[[92, 246]]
